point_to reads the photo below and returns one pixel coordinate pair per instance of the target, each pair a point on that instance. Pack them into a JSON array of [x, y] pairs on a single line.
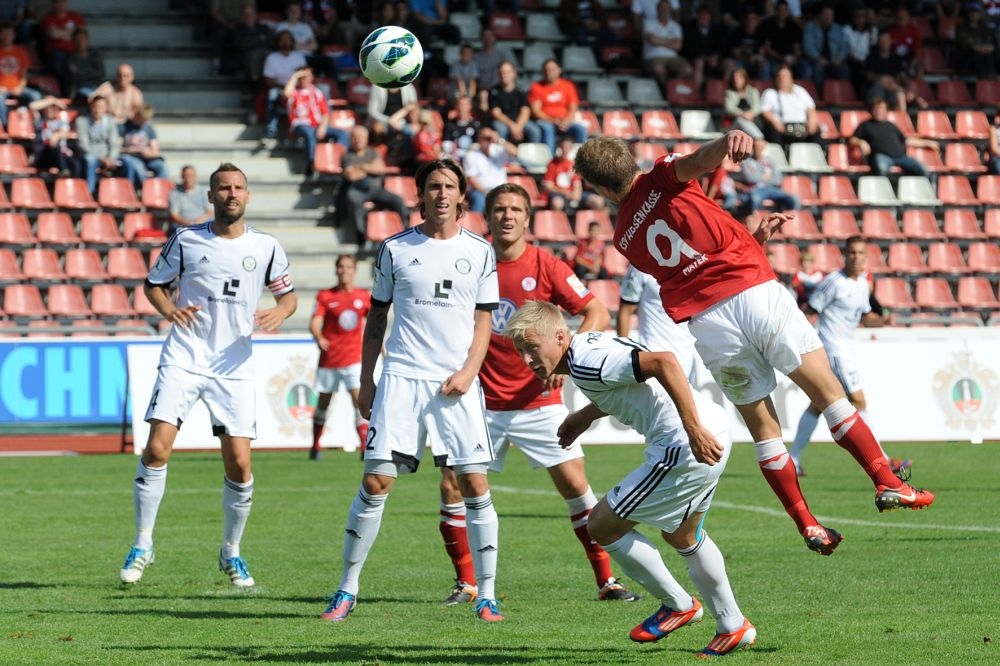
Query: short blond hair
[[539, 317]]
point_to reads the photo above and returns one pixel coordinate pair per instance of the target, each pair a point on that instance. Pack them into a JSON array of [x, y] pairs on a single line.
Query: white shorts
[[745, 338], [410, 414], [845, 367], [232, 403], [533, 431], [669, 486], [328, 380]]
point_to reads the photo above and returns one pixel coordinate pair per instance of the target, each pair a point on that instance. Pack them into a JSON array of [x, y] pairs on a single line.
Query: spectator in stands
[[488, 59], [789, 111], [53, 132], [223, 17], [363, 174], [464, 74], [188, 205], [563, 187], [322, 17], [279, 66], [309, 115], [15, 12], [706, 46], [99, 145], [383, 103], [14, 64], [84, 68], [742, 103], [975, 45], [428, 20], [588, 262], [906, 41], [993, 146], [782, 39], [486, 167], [350, 21], [510, 110], [806, 279], [721, 188], [252, 40], [141, 148], [884, 145], [554, 102], [824, 48], [124, 97], [761, 179], [460, 129], [426, 140], [747, 46], [662, 42], [57, 27], [887, 78], [861, 38], [583, 21], [302, 32]]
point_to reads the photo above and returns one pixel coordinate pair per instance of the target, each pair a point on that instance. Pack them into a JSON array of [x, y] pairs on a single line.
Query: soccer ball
[[391, 57]]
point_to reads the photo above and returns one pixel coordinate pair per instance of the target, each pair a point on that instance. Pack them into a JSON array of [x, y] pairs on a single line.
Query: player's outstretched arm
[[734, 144], [371, 347], [668, 372], [576, 423], [459, 383]]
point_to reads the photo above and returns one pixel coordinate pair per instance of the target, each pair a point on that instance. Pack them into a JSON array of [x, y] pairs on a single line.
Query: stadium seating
[[921, 225], [405, 187], [987, 93], [20, 125], [963, 158], [785, 258], [614, 262], [894, 293], [580, 61], [827, 257], [697, 124], [552, 226], [906, 259], [534, 157], [142, 227], [935, 125], [976, 293], [10, 270], [988, 190], [839, 224], [15, 229], [41, 265], [507, 28], [126, 265], [879, 224], [901, 119], [24, 301], [933, 293], [117, 194], [876, 262], [877, 191], [837, 191], [531, 187], [5, 203], [605, 93], [539, 26], [972, 124], [844, 159], [684, 93], [960, 224], [803, 188], [643, 92], [850, 119], [381, 224], [100, 229], [660, 124], [142, 305], [991, 224], [648, 151], [828, 130], [535, 55], [917, 191], [67, 301], [31, 194], [156, 192], [801, 228], [954, 92], [607, 292], [621, 123], [326, 159], [476, 223], [56, 229], [955, 190], [14, 160], [83, 265], [984, 257], [929, 157], [110, 300], [73, 194], [838, 93], [947, 258], [584, 217], [934, 62], [807, 158]]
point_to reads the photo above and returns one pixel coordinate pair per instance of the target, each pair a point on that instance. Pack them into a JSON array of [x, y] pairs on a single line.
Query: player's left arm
[[284, 307], [663, 366], [734, 144], [459, 382]]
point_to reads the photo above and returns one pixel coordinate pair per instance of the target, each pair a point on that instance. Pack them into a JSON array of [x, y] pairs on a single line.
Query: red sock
[[363, 435], [781, 476], [854, 436], [456, 542], [600, 561]]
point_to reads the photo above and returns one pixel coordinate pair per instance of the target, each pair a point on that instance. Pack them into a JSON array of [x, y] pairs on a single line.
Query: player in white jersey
[[670, 490], [442, 281], [221, 268], [640, 294], [842, 300]]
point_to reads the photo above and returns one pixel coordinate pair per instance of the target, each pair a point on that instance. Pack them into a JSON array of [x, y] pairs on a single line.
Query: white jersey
[[657, 331], [841, 302], [436, 286], [605, 368], [225, 277]]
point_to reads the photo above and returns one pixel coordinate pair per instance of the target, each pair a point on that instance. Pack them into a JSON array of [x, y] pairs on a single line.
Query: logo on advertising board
[[292, 398], [967, 393]]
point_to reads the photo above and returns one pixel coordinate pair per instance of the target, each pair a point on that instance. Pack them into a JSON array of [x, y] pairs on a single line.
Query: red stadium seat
[[67, 301], [785, 258], [879, 224], [327, 158], [405, 187], [83, 265], [381, 224], [906, 259], [929, 157], [126, 264], [972, 124], [828, 130], [987, 93], [844, 159], [684, 93], [118, 194], [921, 225], [15, 229], [902, 120], [24, 301], [850, 119], [10, 270], [955, 190], [20, 124], [991, 224], [988, 190], [621, 123], [802, 187], [142, 227], [530, 186], [894, 293], [614, 262], [100, 229], [506, 26], [552, 226], [933, 293], [934, 125], [984, 258], [14, 160], [660, 124], [827, 257], [648, 150], [474, 222], [73, 194], [57, 230], [946, 258], [960, 224], [963, 158], [802, 227], [976, 293], [156, 193], [143, 307], [41, 265], [584, 217], [839, 224], [110, 300], [934, 62], [607, 292], [31, 194], [954, 92], [837, 191], [839, 92]]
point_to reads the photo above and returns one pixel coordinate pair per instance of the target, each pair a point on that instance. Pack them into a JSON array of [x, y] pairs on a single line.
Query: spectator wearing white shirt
[[486, 167], [279, 66], [662, 41], [789, 111]]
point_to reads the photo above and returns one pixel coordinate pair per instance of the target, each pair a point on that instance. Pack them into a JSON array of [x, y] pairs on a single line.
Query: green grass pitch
[[906, 587]]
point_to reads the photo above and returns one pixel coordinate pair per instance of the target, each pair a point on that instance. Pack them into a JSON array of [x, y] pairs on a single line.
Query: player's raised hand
[[185, 316], [739, 145], [704, 446]]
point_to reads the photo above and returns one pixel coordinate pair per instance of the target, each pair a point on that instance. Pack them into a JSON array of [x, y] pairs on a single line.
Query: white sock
[[584, 502], [147, 492], [640, 560], [804, 432], [708, 571], [236, 501], [483, 528], [364, 519]]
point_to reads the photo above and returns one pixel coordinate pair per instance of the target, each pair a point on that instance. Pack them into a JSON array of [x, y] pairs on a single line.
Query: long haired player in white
[[221, 268], [843, 301], [442, 281], [670, 490], [640, 295], [522, 410], [714, 274]]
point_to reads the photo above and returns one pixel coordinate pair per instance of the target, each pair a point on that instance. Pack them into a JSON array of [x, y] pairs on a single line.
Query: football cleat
[[236, 569], [135, 563], [340, 607], [615, 591], [315, 454], [723, 644], [488, 611], [462, 593], [823, 540], [666, 621], [904, 497]]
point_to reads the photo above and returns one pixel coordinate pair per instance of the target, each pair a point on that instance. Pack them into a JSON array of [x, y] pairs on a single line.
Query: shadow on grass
[[412, 654]]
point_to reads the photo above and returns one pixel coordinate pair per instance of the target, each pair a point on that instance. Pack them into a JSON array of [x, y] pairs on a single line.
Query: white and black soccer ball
[[391, 57]]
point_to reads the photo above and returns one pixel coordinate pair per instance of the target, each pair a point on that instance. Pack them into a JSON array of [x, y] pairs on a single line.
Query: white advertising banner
[[920, 384]]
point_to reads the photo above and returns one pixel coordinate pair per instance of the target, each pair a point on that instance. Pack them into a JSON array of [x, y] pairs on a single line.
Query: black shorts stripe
[[648, 485]]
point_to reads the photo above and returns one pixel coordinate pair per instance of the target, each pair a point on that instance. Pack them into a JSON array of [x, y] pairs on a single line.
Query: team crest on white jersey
[[463, 266], [529, 283], [249, 264], [505, 310]]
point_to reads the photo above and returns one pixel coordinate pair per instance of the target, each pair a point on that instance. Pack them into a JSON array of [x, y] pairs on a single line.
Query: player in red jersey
[[521, 410], [337, 325], [714, 274]]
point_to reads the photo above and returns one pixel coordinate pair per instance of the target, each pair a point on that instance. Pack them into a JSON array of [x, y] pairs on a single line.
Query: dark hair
[[225, 167], [851, 240], [448, 164]]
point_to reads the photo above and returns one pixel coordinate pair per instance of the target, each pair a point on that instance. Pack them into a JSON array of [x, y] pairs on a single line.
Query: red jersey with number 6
[[696, 251], [343, 313], [536, 275]]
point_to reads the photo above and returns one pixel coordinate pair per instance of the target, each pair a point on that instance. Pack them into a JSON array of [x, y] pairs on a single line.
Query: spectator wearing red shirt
[[57, 30], [13, 73], [554, 102], [589, 257], [906, 42], [309, 114], [563, 187], [427, 139], [336, 325]]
